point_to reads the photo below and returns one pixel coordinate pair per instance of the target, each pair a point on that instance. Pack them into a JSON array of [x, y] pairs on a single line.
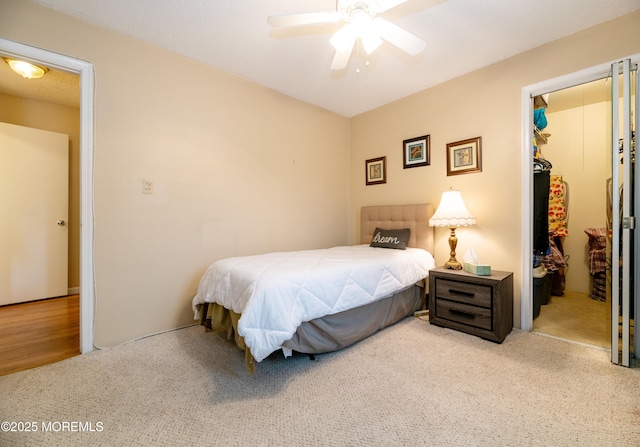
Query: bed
[[318, 301]]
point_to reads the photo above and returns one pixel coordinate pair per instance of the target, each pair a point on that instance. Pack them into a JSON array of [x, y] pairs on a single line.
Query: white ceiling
[[233, 35]]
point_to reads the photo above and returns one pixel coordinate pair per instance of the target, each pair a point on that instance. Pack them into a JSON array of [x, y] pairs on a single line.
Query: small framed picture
[[416, 152], [464, 157], [376, 170]]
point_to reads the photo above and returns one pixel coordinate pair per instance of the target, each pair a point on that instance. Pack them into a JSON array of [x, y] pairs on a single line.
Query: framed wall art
[[416, 152], [376, 170], [464, 157]]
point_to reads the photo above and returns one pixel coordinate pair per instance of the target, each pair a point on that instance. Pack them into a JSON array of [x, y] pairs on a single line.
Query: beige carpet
[[574, 316], [413, 384]]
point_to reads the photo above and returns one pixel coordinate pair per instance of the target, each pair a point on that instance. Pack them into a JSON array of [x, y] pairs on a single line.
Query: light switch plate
[[147, 186]]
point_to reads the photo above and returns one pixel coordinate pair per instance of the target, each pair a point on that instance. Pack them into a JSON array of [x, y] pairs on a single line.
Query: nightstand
[[477, 305]]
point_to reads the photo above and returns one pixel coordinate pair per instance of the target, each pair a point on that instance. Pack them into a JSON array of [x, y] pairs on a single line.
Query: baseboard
[[73, 290]]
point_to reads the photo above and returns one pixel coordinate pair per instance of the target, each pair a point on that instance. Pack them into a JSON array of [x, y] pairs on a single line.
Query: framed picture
[[464, 157], [416, 152], [376, 171]]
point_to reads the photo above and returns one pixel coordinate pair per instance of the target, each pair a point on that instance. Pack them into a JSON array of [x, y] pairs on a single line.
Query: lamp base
[[453, 265]]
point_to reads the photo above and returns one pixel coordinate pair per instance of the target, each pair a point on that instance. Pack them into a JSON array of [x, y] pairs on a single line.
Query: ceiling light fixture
[[362, 25], [26, 69]]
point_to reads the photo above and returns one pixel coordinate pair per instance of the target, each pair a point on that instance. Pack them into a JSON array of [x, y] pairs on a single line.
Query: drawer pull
[[461, 292], [462, 313]]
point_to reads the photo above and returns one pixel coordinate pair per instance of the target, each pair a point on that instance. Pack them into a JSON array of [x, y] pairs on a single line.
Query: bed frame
[[337, 331]]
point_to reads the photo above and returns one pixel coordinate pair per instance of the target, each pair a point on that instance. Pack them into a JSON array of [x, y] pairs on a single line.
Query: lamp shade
[[452, 212]]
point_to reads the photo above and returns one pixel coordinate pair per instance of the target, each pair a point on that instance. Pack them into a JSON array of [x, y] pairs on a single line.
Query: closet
[[571, 144], [592, 115]]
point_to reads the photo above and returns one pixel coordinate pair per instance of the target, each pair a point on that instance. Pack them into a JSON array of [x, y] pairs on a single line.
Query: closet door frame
[[594, 73]]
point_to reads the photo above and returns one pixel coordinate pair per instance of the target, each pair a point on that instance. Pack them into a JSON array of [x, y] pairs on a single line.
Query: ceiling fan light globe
[[343, 39], [361, 22]]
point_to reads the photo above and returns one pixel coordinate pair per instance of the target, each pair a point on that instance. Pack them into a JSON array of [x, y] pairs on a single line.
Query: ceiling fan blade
[[399, 37], [341, 58], [311, 18], [384, 5]]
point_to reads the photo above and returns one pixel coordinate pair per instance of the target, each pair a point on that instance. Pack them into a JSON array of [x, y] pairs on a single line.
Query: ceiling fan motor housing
[[349, 9]]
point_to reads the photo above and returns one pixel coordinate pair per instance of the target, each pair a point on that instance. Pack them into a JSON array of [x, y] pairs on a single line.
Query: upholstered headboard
[[393, 217]]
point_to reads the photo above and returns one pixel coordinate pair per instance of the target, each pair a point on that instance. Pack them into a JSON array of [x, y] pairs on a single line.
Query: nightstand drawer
[[477, 295], [479, 317], [478, 305]]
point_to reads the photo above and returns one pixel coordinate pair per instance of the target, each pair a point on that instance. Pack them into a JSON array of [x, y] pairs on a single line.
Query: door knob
[[61, 223]]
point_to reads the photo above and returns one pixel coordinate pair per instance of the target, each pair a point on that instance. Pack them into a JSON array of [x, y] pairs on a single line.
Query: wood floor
[[39, 332]]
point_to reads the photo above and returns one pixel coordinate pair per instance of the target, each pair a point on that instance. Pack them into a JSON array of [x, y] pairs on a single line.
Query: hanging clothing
[[539, 119], [541, 183], [558, 193]]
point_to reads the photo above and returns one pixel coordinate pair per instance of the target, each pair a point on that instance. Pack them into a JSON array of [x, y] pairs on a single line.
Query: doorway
[[572, 133], [625, 227], [85, 72]]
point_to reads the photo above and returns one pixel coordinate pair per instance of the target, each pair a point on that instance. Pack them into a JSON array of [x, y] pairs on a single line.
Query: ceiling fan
[[361, 23]]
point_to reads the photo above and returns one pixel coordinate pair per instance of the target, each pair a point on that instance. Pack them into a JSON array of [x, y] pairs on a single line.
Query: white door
[[34, 202]]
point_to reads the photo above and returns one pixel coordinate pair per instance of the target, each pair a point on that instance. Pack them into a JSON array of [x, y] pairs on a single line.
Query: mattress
[[275, 293]]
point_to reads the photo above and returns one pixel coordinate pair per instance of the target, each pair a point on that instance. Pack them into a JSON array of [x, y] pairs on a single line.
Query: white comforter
[[276, 292]]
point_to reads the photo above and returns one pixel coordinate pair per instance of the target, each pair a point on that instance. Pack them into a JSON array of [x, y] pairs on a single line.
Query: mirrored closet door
[[624, 203]]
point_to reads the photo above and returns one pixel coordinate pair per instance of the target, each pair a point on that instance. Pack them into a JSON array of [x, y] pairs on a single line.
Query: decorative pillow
[[390, 238]]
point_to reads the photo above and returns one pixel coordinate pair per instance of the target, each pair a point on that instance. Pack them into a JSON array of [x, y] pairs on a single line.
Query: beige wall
[[237, 169], [484, 103], [55, 118], [240, 169]]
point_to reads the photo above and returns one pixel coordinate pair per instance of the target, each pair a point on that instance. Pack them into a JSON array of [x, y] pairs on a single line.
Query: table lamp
[[452, 213]]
